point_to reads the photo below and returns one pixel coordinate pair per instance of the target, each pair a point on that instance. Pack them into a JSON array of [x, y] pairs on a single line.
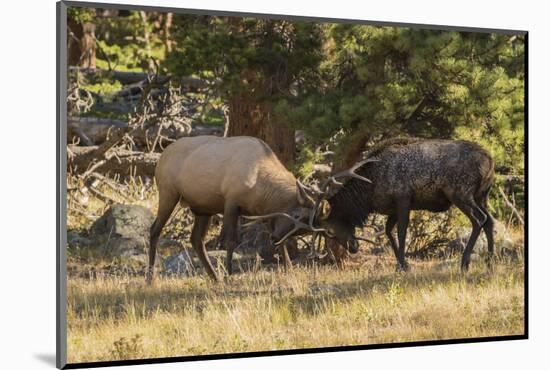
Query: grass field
[[111, 318]]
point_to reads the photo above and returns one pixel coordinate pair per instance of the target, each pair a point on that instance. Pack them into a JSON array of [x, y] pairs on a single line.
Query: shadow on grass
[[320, 296], [142, 301]]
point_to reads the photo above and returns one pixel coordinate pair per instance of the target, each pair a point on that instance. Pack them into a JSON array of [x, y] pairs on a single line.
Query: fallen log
[[84, 162], [132, 77], [92, 130], [122, 162], [109, 161]]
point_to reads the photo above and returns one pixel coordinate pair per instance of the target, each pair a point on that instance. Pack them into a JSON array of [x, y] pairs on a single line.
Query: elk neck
[[279, 193], [350, 204]]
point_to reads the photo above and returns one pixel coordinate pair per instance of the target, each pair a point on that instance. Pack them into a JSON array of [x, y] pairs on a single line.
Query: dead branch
[[510, 205], [104, 197], [92, 168], [113, 185], [83, 213]]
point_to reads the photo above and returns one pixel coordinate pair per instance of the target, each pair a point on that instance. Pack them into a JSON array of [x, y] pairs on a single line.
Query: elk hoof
[[402, 268]]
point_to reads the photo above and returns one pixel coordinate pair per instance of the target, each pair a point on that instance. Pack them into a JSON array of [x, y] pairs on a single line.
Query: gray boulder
[[74, 239], [501, 237], [458, 244], [186, 263], [180, 264], [123, 229]]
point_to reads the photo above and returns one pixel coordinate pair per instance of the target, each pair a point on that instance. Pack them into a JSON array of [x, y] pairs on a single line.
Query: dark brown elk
[[413, 174], [233, 176]]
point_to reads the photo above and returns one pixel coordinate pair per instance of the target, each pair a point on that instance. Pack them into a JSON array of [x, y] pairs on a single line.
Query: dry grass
[[122, 318]]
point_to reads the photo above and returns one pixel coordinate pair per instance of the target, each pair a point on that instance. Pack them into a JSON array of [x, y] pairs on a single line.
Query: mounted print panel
[[246, 185]]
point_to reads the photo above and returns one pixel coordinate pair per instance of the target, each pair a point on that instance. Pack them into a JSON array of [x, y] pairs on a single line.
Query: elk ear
[[324, 210], [303, 197]]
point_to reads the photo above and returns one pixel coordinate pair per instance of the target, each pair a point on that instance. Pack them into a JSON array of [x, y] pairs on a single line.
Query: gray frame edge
[[61, 185], [214, 12]]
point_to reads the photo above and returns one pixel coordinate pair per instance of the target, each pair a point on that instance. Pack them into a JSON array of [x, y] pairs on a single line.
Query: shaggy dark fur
[[419, 174]]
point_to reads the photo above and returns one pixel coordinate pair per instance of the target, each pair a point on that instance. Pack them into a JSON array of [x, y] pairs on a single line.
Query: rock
[[123, 229], [257, 239], [218, 257], [180, 264], [186, 263], [501, 237], [76, 240], [510, 253], [458, 244], [124, 220]]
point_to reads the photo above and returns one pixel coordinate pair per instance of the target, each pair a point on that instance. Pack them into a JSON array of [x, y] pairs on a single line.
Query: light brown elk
[[234, 176]]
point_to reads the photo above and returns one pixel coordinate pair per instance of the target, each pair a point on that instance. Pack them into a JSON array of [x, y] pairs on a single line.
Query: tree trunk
[[251, 111], [353, 153], [73, 40], [248, 117], [166, 33], [82, 47]]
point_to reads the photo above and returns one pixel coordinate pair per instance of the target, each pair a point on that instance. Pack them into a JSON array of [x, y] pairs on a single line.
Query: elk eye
[[330, 232]]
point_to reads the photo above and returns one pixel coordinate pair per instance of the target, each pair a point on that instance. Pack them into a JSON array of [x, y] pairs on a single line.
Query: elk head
[[313, 216], [336, 230], [294, 221]]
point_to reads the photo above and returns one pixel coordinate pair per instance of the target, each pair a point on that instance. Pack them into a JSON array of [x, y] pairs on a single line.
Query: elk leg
[[390, 224], [488, 228], [478, 218], [167, 203], [230, 226], [200, 228], [403, 213]]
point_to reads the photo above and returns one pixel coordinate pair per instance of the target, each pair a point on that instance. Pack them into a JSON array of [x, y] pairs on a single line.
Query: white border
[[28, 182]]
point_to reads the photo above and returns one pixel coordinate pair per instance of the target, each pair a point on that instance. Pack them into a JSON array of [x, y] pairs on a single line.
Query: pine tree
[[254, 63], [386, 81]]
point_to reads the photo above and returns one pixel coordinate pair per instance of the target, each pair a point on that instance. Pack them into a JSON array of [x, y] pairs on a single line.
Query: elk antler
[[315, 247], [297, 224], [350, 172], [323, 191], [321, 195]]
